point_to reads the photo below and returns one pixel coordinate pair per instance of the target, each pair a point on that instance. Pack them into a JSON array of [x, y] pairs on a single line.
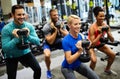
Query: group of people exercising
[[57, 36]]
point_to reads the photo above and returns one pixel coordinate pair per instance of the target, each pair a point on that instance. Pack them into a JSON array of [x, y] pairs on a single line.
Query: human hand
[[14, 32], [52, 26], [99, 30], [105, 29], [79, 45], [62, 25]]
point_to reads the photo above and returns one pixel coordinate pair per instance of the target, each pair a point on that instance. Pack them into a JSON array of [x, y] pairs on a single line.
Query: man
[[53, 31], [11, 40]]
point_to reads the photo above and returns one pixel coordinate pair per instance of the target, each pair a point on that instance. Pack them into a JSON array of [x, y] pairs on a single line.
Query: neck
[[99, 24], [74, 35]]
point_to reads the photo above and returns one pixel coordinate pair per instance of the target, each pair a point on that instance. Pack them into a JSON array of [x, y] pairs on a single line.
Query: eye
[[80, 24]]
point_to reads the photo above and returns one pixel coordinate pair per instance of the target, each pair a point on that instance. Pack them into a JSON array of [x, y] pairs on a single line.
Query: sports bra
[[96, 33]]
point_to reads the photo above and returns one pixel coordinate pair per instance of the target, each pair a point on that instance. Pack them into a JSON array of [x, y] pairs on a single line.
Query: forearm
[[9, 45], [64, 32], [34, 39], [74, 57], [95, 40], [109, 35], [51, 38]]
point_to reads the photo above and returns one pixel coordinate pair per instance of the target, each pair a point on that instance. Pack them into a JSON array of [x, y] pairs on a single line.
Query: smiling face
[[19, 16], [100, 17], [54, 15], [74, 24]]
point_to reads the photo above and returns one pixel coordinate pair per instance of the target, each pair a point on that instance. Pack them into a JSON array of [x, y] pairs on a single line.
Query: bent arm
[[109, 35], [71, 58], [94, 39]]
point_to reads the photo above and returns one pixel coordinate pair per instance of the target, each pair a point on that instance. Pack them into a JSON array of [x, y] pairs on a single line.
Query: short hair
[[14, 7], [52, 10], [71, 17], [97, 9]]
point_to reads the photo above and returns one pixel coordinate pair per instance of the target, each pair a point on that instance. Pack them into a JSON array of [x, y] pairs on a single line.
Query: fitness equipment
[[38, 49], [22, 45], [115, 43], [84, 26], [85, 57], [103, 39], [58, 24], [2, 59]]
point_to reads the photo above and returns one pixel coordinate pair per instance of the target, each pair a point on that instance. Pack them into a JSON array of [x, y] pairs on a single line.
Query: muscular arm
[[64, 31], [71, 58], [92, 36], [110, 35], [51, 37]]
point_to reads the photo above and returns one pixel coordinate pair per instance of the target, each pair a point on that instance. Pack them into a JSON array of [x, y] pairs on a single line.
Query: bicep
[[67, 55], [91, 34]]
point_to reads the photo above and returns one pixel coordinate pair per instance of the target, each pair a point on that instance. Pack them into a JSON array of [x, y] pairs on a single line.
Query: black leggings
[[27, 60]]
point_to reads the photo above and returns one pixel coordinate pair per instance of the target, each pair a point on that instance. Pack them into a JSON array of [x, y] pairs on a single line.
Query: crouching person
[[72, 50], [13, 46]]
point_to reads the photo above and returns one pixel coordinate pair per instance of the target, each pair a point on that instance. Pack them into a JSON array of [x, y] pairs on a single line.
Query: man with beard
[[10, 40], [53, 31]]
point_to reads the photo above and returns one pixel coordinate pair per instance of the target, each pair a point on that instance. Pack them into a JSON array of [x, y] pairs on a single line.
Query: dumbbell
[[22, 45], [85, 57]]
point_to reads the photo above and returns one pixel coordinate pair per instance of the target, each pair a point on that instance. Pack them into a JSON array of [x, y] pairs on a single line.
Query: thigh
[[86, 71], [47, 52], [93, 54], [107, 50], [29, 60], [68, 73]]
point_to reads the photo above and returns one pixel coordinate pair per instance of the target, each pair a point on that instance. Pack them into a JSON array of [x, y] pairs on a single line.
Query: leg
[[30, 61], [93, 59], [11, 66], [87, 72], [47, 54], [67, 73], [111, 55]]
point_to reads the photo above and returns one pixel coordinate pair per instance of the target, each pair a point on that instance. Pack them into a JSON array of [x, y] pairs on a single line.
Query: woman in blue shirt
[[72, 50]]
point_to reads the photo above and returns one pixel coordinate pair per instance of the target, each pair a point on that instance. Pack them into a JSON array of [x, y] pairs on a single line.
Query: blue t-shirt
[[68, 44]]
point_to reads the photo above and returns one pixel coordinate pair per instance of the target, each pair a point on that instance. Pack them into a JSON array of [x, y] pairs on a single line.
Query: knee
[[112, 55], [47, 54], [38, 70], [94, 60]]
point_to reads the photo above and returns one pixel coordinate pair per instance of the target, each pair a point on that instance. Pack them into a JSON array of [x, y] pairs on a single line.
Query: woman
[[95, 34], [72, 50]]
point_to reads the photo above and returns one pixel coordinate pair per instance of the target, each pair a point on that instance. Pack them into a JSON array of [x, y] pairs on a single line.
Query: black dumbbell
[[22, 45], [85, 57]]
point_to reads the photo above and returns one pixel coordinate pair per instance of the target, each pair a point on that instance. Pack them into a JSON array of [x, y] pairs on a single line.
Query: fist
[[79, 45], [14, 32]]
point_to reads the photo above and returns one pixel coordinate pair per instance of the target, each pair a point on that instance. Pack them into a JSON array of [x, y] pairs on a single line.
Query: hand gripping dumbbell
[[85, 57], [22, 45], [104, 39]]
